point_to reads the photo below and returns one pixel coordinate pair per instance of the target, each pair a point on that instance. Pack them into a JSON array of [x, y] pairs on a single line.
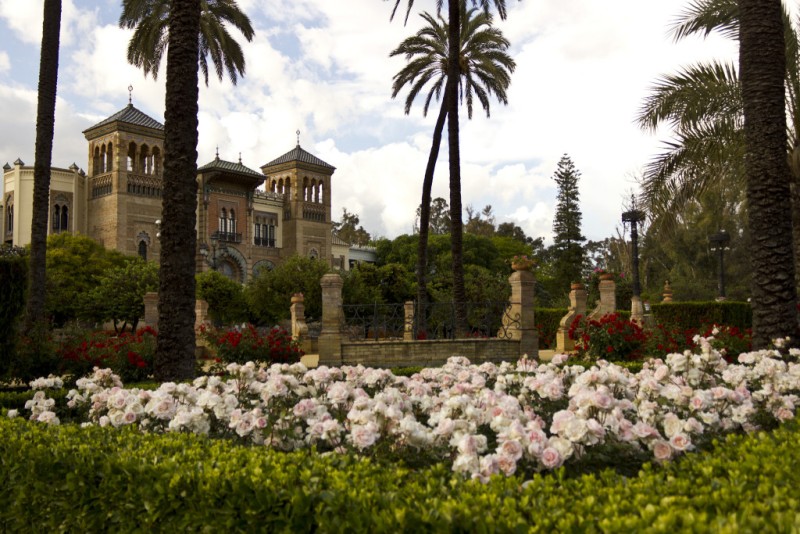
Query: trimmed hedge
[[686, 315], [102, 479]]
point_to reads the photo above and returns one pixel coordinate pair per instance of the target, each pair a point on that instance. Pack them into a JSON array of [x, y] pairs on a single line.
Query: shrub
[[686, 315], [129, 355], [547, 322], [241, 345], [13, 285], [611, 338]]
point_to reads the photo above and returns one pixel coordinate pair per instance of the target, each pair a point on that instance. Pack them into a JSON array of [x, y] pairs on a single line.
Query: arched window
[[131, 156], [143, 250], [232, 219], [223, 220], [56, 218], [9, 218], [144, 160], [156, 161], [96, 163], [321, 192], [313, 254], [109, 158], [64, 218]]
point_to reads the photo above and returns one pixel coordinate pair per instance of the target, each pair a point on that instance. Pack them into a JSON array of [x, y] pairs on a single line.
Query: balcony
[[227, 237], [264, 242]]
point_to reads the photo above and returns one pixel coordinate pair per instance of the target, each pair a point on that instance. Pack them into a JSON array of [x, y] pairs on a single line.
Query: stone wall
[[428, 353]]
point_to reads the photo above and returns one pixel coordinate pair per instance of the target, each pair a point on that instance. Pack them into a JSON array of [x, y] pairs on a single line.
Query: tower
[[304, 180], [125, 182]]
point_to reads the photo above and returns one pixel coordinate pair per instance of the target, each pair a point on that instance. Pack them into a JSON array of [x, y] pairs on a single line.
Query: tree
[[150, 19], [270, 293], [463, 54], [567, 243], [350, 231], [119, 294], [188, 31], [225, 297], [762, 66], [480, 223], [438, 219], [703, 104], [75, 265], [45, 128]]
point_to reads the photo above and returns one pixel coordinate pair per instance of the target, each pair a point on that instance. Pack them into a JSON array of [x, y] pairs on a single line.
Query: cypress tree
[[567, 249]]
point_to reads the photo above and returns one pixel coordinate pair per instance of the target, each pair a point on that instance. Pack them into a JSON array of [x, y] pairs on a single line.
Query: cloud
[[5, 62]]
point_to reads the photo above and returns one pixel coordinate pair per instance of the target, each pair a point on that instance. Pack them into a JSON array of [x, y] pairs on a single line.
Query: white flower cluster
[[484, 419], [51, 382]]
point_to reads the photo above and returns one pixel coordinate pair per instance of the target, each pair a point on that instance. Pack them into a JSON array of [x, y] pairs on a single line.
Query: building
[[246, 220]]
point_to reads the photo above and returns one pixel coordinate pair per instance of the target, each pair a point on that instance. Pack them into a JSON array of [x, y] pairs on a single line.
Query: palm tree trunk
[[762, 67], [45, 128], [456, 222], [174, 358], [425, 217]]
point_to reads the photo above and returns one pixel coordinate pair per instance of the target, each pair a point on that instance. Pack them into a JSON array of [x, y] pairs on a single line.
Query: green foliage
[[75, 266], [226, 299], [269, 294], [547, 322], [688, 315], [358, 287], [98, 479], [13, 287], [119, 294], [35, 354]]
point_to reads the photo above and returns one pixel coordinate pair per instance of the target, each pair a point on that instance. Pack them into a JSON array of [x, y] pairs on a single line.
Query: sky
[[583, 71]]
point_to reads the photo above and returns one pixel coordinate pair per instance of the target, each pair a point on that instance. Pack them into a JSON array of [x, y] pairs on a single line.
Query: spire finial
[[240, 158], [130, 94], [217, 151], [298, 137]]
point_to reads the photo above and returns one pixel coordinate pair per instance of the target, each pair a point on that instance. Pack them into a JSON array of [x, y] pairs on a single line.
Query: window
[[223, 221], [232, 222], [143, 250], [60, 218], [9, 216]]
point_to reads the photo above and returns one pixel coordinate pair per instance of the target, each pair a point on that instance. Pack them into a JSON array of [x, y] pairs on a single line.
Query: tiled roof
[[130, 115], [229, 166], [336, 240], [298, 154]]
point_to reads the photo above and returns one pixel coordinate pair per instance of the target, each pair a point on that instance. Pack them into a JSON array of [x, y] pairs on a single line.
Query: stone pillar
[[201, 312], [577, 306], [667, 293], [299, 326], [519, 322], [151, 309], [408, 328], [330, 337], [608, 298]]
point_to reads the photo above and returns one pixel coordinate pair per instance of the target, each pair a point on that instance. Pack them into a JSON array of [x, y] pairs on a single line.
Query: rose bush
[[479, 419], [247, 344], [611, 338]]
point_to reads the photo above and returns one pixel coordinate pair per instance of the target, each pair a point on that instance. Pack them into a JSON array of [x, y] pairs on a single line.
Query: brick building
[[241, 226]]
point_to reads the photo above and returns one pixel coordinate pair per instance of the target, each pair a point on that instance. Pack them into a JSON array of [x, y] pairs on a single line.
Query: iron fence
[[373, 322]]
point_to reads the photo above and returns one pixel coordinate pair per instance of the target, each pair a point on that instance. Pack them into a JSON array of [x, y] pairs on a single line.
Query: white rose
[[662, 450], [551, 458]]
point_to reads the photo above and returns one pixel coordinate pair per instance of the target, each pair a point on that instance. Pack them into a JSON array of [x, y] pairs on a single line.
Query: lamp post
[[634, 217], [719, 243], [215, 244]]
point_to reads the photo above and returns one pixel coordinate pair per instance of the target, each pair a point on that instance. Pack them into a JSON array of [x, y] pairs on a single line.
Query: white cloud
[[5, 62]]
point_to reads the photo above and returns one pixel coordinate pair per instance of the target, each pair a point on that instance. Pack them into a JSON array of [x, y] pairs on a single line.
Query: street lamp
[[215, 243], [634, 217], [719, 243]]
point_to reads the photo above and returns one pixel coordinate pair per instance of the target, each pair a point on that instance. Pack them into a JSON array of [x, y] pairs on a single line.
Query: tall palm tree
[[485, 69], [45, 128], [762, 64], [451, 101], [703, 104], [189, 31], [149, 20]]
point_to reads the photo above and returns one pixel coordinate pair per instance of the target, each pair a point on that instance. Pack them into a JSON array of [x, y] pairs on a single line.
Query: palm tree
[[762, 65], [188, 30], [149, 20], [703, 104], [706, 106], [45, 127], [485, 70], [450, 103]]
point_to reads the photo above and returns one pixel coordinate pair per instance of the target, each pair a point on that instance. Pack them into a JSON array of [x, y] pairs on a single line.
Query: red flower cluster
[[247, 344], [611, 338], [130, 355]]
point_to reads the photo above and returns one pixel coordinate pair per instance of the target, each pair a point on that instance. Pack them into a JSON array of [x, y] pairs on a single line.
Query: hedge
[[687, 315], [101, 479], [13, 287], [547, 321]]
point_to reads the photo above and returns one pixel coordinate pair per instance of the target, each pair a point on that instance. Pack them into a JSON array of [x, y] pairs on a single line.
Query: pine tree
[[567, 249]]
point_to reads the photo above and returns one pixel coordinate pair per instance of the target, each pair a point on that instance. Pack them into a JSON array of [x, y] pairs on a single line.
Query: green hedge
[[13, 287], [686, 315], [95, 479]]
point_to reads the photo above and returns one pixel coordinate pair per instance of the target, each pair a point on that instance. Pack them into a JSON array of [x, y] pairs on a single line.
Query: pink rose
[[551, 458]]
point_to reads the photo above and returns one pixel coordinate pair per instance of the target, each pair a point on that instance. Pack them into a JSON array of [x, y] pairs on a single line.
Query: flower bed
[[478, 420]]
